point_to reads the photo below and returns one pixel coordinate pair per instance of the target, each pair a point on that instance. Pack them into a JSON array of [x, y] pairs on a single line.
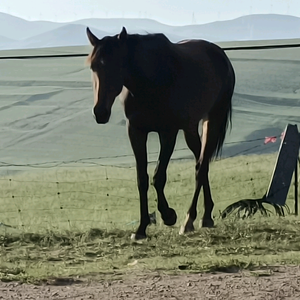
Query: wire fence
[[107, 195], [95, 160], [90, 196], [234, 48]]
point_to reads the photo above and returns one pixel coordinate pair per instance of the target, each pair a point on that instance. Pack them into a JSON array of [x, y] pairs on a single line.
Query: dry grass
[[78, 222]]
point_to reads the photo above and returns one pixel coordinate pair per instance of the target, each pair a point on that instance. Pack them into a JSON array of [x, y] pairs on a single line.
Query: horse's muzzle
[[101, 116]]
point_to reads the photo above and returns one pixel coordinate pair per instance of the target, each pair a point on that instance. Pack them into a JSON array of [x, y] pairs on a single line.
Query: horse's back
[[205, 74], [184, 81], [205, 56]]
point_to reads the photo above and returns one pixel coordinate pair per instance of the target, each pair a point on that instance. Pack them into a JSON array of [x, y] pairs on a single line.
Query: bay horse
[[168, 87]]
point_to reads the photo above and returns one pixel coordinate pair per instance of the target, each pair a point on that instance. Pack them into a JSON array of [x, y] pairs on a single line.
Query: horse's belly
[[160, 116], [149, 121]]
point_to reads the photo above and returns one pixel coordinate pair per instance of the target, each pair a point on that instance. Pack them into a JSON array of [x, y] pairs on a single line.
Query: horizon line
[[145, 18]]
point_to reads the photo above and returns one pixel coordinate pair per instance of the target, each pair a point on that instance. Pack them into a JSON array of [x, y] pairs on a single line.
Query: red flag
[[270, 139]]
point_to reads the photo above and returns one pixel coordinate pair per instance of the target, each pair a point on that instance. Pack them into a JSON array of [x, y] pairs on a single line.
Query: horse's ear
[[92, 38], [123, 35]]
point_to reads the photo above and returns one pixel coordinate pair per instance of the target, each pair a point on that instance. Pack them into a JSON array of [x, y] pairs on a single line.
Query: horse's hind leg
[[194, 143], [207, 220], [167, 143], [202, 167]]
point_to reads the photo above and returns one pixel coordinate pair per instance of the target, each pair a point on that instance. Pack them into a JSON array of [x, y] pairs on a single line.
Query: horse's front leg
[[138, 140], [167, 144]]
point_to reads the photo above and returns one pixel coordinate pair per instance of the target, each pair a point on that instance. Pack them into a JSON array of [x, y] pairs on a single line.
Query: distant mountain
[[113, 26], [250, 27], [67, 35], [16, 28], [41, 34], [5, 41], [141, 26]]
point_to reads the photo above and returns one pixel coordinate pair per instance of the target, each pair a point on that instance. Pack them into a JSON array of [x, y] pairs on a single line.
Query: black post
[[296, 188]]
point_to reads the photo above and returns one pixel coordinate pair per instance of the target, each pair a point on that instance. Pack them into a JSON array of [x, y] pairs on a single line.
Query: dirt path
[[281, 283]]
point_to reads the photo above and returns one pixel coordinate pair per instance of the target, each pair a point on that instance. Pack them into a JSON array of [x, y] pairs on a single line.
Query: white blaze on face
[[96, 86]]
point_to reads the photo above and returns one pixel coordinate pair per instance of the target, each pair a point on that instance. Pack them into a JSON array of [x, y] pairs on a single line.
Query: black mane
[[152, 57]]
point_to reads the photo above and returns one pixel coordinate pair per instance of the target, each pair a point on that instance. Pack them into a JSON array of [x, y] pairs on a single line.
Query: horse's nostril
[[101, 116]]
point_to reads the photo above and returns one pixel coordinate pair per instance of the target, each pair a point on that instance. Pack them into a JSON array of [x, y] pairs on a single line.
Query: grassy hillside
[[37, 34], [45, 109], [79, 221], [73, 212]]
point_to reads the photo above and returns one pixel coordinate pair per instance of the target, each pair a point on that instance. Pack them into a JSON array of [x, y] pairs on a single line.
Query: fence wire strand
[[59, 193], [71, 55]]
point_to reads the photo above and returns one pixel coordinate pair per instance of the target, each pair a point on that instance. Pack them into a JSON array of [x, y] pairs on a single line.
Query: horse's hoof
[[188, 225], [172, 217], [186, 228], [209, 223], [138, 237]]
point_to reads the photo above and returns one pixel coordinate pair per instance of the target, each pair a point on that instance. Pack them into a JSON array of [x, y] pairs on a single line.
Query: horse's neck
[[147, 63], [136, 71]]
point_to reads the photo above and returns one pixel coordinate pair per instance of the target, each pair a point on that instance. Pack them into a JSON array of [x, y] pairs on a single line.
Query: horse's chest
[[150, 115]]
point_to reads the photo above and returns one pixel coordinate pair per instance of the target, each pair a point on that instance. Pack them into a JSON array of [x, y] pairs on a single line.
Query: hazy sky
[[174, 12]]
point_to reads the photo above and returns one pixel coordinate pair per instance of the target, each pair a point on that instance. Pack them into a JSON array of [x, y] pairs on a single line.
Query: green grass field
[[72, 222], [78, 220], [46, 105]]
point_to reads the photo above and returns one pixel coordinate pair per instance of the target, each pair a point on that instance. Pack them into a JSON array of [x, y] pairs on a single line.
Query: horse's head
[[107, 65]]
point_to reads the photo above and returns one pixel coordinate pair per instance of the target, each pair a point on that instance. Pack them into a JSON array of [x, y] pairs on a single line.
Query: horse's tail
[[219, 118]]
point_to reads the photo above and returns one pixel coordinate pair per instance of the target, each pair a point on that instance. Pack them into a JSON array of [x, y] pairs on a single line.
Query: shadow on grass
[[230, 247]]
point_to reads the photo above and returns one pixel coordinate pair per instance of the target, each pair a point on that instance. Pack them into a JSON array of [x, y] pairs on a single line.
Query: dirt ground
[[279, 283]]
